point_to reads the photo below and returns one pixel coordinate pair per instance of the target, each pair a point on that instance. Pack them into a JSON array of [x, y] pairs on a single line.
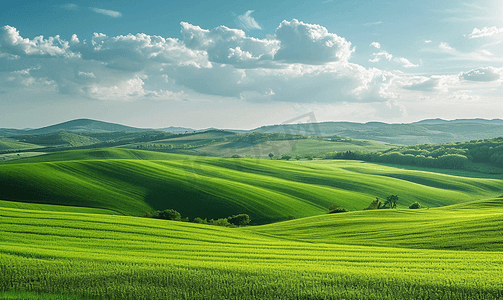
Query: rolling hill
[[133, 182], [63, 255]]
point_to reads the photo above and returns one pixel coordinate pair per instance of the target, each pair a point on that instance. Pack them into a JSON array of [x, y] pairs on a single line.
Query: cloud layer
[[300, 63]]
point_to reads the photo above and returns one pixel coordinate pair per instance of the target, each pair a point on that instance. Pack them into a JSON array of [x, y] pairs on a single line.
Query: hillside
[[468, 226], [44, 255], [12, 145], [60, 138], [267, 190], [405, 134], [85, 125]]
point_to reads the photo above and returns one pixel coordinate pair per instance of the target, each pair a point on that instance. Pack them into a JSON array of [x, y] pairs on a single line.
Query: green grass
[[117, 257], [48, 207], [214, 188], [16, 156], [468, 226], [292, 147], [6, 145]]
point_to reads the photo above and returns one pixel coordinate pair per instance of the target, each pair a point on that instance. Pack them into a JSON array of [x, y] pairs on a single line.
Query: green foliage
[[415, 205], [168, 214], [200, 221], [271, 155], [286, 157], [239, 220], [235, 156], [220, 222]]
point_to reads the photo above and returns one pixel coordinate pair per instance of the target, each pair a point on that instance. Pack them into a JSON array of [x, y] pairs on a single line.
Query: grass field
[[53, 254], [267, 190], [6, 145], [292, 147]]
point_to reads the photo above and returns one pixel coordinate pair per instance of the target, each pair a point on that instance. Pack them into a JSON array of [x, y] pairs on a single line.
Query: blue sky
[[229, 64]]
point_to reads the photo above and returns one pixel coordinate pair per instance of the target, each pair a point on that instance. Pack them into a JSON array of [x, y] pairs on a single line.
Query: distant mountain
[[442, 121], [84, 125], [176, 129], [424, 132]]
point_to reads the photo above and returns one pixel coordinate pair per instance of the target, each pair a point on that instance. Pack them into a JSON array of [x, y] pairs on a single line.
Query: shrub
[[168, 214], [239, 220], [235, 156], [415, 205], [200, 221], [220, 222], [338, 210]]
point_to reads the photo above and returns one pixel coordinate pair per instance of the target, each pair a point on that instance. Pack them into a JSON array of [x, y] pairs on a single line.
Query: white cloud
[[486, 31], [247, 22], [11, 42], [427, 41], [376, 45], [373, 23], [486, 74], [106, 12], [309, 43], [400, 60], [439, 83], [70, 6]]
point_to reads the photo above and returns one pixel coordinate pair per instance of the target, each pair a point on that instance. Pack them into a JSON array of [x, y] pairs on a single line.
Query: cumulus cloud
[[11, 42], [440, 83], [106, 12], [400, 60], [376, 45], [486, 31], [482, 74], [309, 43], [247, 22]]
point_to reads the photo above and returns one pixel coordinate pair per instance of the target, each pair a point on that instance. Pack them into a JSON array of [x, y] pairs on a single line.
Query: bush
[[338, 210], [168, 214], [415, 205], [200, 221], [239, 220], [220, 222], [235, 156]]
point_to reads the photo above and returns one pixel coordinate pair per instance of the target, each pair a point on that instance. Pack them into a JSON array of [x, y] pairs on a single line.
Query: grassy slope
[[292, 147], [13, 145], [211, 187], [468, 226], [48, 207], [116, 257]]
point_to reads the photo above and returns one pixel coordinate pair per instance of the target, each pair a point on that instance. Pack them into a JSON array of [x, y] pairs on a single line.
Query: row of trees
[[171, 214]]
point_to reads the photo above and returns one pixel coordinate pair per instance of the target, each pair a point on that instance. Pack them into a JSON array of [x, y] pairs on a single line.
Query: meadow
[[70, 228], [133, 182], [60, 255]]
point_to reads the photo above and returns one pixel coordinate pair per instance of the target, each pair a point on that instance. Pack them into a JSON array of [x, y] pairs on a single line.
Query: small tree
[[168, 214], [286, 156], [239, 220], [415, 205], [200, 221], [271, 155]]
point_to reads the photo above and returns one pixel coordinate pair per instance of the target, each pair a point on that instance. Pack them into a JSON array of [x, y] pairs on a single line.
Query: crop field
[[72, 255], [14, 145], [267, 190]]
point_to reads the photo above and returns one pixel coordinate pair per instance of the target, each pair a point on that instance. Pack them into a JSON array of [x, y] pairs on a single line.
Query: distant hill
[[176, 129], [423, 132], [85, 125], [60, 138]]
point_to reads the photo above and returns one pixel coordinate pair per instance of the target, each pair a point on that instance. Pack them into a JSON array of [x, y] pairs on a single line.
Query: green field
[[10, 145], [267, 190], [46, 255]]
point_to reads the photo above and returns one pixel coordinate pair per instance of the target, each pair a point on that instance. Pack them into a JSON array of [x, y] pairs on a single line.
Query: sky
[[241, 65]]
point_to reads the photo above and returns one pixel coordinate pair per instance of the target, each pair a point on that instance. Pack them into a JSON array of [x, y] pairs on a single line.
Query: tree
[[286, 156], [168, 214], [239, 220], [271, 155], [415, 205], [391, 201]]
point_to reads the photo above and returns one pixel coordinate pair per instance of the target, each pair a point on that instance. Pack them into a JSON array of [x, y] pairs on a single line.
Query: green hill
[[468, 226], [61, 255], [10, 145], [61, 138], [267, 190]]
